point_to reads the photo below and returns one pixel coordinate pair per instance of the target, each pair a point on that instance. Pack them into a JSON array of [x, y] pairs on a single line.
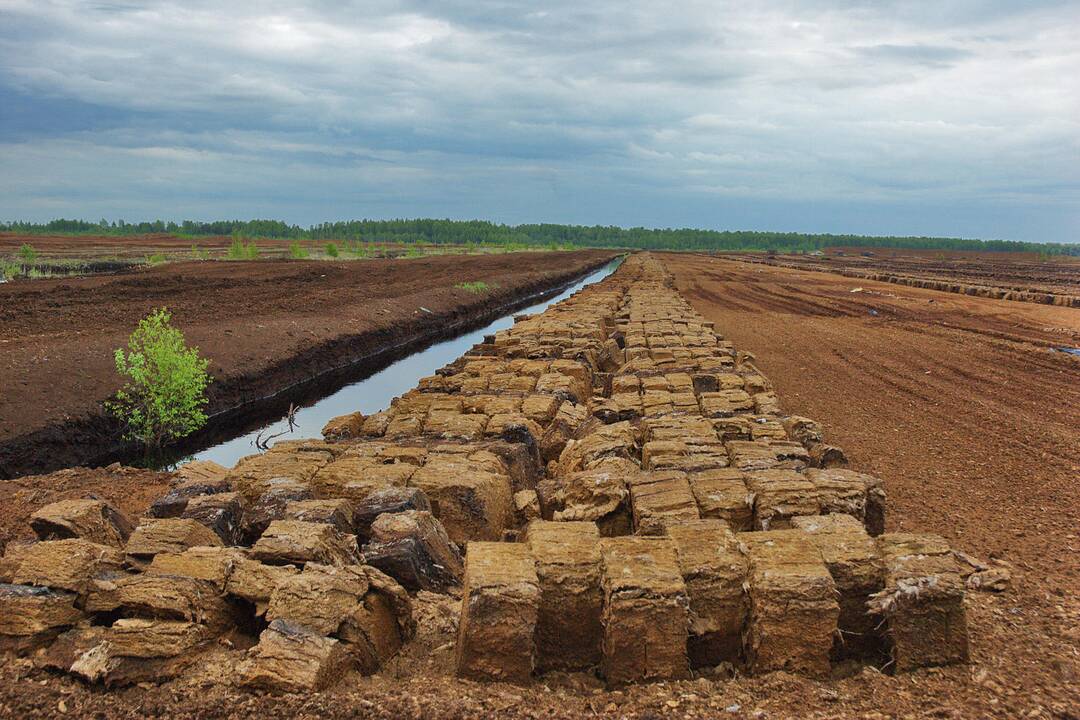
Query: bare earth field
[[265, 325], [1021, 272], [136, 248], [957, 402], [973, 423]]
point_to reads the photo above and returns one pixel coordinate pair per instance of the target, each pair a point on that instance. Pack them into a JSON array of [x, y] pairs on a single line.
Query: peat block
[[658, 499], [793, 608], [922, 602], [413, 548], [500, 604], [294, 541], [646, 610], [568, 624], [94, 520], [714, 571], [292, 658]]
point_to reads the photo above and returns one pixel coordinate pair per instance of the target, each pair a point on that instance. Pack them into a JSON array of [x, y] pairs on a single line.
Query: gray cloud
[[957, 118], [929, 55]]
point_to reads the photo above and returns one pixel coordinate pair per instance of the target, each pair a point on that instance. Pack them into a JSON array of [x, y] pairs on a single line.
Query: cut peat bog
[[695, 488], [971, 414], [266, 326], [1018, 276], [400, 361]]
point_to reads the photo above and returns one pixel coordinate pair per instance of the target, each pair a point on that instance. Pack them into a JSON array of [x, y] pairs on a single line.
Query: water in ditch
[[374, 392]]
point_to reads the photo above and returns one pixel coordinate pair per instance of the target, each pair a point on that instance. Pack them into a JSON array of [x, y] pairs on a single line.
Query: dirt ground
[[265, 325], [136, 248], [956, 402], [1057, 274], [131, 490], [972, 421]]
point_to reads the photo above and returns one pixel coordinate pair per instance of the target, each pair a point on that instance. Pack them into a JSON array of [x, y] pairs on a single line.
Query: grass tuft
[[476, 288]]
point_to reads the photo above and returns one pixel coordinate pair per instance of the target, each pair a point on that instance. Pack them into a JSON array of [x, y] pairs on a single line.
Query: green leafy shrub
[[332, 249], [239, 250], [156, 258], [297, 251], [27, 254], [198, 253], [164, 398]]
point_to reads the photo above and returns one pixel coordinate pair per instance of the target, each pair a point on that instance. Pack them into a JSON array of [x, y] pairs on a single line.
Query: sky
[[953, 117]]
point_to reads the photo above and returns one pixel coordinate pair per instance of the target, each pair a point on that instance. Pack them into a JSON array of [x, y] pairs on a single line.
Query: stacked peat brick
[[615, 489], [688, 522], [118, 604]]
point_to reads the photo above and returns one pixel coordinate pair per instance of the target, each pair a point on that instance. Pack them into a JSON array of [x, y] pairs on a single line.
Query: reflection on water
[[375, 392]]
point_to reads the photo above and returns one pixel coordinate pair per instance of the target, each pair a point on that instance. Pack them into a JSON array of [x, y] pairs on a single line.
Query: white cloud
[[436, 108]]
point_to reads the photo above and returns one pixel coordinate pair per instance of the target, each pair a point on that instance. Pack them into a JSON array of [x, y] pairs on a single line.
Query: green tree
[[332, 249], [297, 251], [491, 236], [27, 254], [238, 250], [164, 398]]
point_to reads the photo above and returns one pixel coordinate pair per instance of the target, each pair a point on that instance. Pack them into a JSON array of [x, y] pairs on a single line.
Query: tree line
[[461, 232]]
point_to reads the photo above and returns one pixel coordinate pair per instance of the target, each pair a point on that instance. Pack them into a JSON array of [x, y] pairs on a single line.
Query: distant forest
[[462, 232]]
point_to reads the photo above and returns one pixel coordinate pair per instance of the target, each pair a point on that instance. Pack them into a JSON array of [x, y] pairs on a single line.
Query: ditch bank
[[277, 332]]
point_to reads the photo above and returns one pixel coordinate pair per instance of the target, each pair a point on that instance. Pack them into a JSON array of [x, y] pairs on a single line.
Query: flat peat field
[[958, 403], [1020, 272], [973, 422], [265, 325], [127, 249]]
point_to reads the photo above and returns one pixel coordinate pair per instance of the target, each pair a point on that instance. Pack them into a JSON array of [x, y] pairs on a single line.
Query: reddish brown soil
[[138, 247], [984, 449], [133, 246], [265, 325], [973, 423], [982, 256], [129, 489], [1013, 271]]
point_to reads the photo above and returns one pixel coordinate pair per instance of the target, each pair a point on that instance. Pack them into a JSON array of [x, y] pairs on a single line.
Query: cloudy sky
[[951, 117]]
